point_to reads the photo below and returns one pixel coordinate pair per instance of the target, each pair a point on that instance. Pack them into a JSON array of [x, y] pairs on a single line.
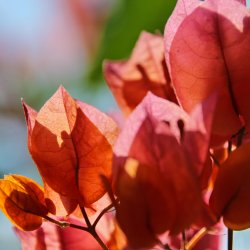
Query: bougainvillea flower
[[207, 49], [145, 71], [22, 201], [157, 180], [52, 237], [231, 194], [71, 144]]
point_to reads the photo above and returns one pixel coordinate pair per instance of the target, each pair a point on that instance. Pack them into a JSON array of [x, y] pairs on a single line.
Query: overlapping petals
[[71, 144], [144, 71], [157, 182]]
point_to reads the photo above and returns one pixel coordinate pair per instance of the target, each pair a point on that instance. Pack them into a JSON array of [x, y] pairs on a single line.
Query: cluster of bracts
[[175, 169]]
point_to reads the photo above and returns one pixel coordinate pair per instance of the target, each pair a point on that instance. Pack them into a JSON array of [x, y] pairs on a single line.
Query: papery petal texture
[[22, 201], [144, 71], [207, 47], [197, 127], [160, 108], [157, 182], [71, 144]]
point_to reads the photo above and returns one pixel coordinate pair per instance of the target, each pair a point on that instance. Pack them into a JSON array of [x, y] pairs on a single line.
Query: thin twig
[[58, 223], [99, 240], [91, 229], [64, 224], [109, 191], [230, 239], [184, 240], [240, 134], [229, 231], [85, 216], [79, 227], [192, 243], [105, 210]]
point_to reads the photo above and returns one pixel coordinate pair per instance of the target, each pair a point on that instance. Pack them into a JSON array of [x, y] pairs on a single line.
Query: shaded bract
[[231, 194], [157, 182], [146, 70], [22, 201]]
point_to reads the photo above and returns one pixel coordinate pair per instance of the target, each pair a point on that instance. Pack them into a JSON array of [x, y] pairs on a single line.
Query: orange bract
[[71, 143], [22, 201]]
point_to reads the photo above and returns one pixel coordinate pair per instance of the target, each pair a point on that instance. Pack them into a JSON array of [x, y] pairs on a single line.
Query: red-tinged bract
[[144, 71], [71, 144], [157, 182]]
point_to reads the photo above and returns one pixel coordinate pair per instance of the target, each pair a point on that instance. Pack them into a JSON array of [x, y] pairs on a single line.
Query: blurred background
[[46, 43]]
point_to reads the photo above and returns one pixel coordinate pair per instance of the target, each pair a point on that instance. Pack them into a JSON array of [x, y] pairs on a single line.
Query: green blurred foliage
[[126, 22]]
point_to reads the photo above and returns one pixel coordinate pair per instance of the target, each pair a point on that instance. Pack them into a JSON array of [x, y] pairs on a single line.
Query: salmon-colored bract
[[146, 70], [207, 50]]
